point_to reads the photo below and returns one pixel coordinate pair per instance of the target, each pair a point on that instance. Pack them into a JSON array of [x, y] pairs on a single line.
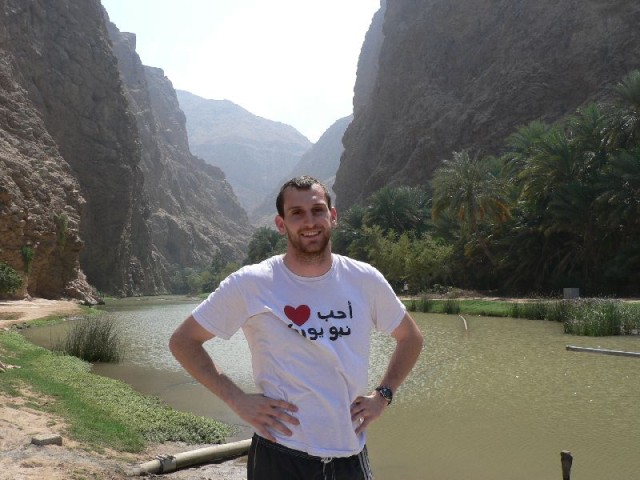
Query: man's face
[[307, 220]]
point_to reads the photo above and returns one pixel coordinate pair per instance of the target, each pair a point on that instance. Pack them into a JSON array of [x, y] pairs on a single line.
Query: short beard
[[304, 255], [311, 258]]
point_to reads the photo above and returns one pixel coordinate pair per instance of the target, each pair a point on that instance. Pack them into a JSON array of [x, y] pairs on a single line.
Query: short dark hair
[[303, 182]]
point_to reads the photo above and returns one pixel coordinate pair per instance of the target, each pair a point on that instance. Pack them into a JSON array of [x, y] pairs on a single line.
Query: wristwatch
[[386, 393]]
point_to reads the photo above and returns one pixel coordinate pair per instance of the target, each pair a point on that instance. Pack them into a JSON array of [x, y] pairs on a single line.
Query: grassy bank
[[593, 317], [485, 308], [101, 412]]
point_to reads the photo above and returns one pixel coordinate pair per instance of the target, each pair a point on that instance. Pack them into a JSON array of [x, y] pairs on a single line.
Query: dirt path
[[19, 423], [20, 459], [20, 311]]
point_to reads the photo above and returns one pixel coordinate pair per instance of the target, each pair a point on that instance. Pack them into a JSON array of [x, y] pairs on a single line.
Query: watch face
[[386, 393]]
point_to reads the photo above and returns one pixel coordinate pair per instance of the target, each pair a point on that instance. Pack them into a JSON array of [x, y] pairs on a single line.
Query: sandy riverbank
[[19, 311]]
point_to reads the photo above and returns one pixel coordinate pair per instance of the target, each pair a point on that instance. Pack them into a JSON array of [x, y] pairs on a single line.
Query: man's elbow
[[187, 336], [180, 343], [416, 340], [175, 343]]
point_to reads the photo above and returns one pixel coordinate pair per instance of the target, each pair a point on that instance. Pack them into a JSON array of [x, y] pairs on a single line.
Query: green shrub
[[27, 256], [561, 311], [426, 305], [10, 280], [62, 228], [596, 318], [451, 306], [593, 317], [530, 310], [412, 306], [93, 340]]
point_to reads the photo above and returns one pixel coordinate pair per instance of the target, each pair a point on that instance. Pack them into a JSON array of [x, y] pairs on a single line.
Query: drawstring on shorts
[[326, 464]]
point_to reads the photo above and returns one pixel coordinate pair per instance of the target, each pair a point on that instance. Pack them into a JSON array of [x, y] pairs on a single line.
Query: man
[[307, 317]]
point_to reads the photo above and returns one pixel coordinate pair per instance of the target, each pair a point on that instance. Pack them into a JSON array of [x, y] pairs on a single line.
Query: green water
[[497, 402]]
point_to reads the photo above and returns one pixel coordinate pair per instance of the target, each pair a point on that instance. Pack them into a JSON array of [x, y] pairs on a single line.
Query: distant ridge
[[253, 152], [321, 162]]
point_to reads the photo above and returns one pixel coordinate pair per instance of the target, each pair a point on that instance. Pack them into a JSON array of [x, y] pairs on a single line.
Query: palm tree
[[621, 193], [552, 162], [560, 178], [471, 190], [626, 118], [397, 208], [523, 143], [349, 229]]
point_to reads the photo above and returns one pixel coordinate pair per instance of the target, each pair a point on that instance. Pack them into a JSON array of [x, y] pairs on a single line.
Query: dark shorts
[[272, 461]]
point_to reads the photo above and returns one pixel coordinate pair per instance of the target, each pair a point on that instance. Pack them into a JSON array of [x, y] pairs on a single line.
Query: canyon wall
[[464, 75], [96, 173], [193, 212]]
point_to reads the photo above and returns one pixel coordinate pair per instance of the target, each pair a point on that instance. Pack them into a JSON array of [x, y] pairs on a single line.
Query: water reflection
[[497, 402]]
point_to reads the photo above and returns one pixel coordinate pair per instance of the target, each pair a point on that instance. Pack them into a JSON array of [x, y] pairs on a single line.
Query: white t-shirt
[[309, 339]]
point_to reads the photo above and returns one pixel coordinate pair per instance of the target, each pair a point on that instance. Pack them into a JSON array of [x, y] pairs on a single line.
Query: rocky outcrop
[[40, 200], [464, 75], [64, 61], [253, 152], [193, 212], [367, 71]]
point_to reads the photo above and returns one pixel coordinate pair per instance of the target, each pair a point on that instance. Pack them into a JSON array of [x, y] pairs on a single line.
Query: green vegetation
[[62, 228], [193, 281], [559, 208], [102, 413], [265, 242], [27, 256], [392, 233], [485, 308], [592, 317], [93, 340], [10, 280], [585, 317]]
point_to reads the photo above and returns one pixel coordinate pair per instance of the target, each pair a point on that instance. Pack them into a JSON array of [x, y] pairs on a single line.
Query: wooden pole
[[566, 459]]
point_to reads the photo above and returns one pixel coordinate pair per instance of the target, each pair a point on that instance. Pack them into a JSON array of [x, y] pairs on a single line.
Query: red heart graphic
[[298, 315]]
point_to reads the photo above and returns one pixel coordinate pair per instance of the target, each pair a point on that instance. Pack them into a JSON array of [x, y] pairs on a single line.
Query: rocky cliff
[[40, 200], [74, 154], [463, 75], [193, 211], [367, 71], [62, 59]]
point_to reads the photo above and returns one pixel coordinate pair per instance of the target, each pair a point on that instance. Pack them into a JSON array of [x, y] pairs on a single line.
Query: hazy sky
[[293, 61]]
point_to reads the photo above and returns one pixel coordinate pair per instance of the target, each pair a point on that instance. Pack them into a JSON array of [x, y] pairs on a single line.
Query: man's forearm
[[408, 347], [402, 362], [366, 409]]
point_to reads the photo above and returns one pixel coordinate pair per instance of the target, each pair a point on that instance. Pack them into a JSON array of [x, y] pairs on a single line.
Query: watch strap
[[386, 393]]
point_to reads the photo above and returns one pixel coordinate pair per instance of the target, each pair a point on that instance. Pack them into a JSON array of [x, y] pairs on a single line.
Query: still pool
[[500, 400]]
